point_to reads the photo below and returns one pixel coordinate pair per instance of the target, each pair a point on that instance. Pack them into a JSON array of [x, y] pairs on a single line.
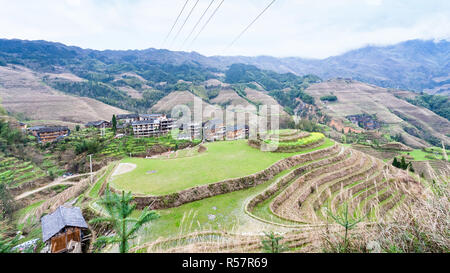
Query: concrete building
[[127, 118], [236, 132], [150, 125], [146, 128], [214, 130], [191, 131]]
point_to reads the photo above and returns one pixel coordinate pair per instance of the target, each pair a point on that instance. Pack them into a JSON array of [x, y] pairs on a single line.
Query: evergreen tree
[[403, 164], [272, 243], [348, 223], [395, 163], [119, 210], [114, 124]]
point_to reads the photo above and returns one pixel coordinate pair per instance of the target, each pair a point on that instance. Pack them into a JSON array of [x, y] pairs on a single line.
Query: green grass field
[[313, 138], [223, 160], [431, 154], [228, 211]]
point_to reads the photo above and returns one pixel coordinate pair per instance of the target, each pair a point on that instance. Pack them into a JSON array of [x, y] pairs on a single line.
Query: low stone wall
[[229, 185]]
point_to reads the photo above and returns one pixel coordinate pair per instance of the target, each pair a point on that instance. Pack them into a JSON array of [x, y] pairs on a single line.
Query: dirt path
[[123, 168], [58, 181]]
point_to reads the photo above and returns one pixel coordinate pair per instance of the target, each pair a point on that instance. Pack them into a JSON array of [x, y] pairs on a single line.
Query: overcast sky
[[304, 28]]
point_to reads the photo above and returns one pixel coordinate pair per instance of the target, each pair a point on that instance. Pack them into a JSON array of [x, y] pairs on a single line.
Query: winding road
[[58, 181]]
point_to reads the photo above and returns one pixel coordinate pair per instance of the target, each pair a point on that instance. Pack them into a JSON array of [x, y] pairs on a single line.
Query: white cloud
[[374, 2], [289, 28]]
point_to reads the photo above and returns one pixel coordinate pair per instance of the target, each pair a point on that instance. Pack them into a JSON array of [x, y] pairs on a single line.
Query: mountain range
[[46, 82], [414, 65]]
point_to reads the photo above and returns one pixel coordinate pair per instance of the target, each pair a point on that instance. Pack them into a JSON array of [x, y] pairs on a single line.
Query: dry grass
[[358, 98], [229, 96], [53, 203], [418, 225], [22, 91]]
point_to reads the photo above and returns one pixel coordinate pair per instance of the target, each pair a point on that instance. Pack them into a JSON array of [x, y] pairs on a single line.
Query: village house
[[127, 118], [146, 128], [151, 116], [190, 131], [23, 126], [62, 230], [150, 125], [364, 121], [236, 132], [98, 124], [214, 130], [47, 134], [165, 124]]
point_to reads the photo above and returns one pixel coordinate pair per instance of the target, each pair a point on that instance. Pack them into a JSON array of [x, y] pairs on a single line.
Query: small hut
[[62, 230]]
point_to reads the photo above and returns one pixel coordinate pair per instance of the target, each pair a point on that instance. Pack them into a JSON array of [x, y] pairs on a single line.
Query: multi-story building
[[151, 116], [128, 118], [166, 124], [146, 128], [190, 131], [236, 132], [214, 130], [150, 125], [46, 134]]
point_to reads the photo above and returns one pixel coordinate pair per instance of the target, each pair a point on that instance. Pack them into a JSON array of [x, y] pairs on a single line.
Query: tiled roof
[[59, 219], [125, 116], [145, 122], [96, 123], [50, 129]]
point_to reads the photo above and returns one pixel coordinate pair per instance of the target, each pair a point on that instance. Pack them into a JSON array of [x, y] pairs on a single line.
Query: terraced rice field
[[345, 177], [137, 146], [308, 186], [14, 172], [222, 160]]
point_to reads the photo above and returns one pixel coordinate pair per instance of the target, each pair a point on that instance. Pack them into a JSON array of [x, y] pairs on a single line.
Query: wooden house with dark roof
[[45, 134], [98, 124], [62, 230]]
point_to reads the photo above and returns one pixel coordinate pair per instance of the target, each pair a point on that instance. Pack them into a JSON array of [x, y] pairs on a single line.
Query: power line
[[198, 22], [184, 23], [209, 19], [242, 33], [176, 21]]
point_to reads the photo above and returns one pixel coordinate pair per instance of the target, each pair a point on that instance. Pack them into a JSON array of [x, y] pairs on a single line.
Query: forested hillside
[[157, 80]]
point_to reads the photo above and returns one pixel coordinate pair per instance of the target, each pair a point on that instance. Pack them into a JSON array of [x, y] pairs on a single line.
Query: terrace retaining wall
[[229, 185], [258, 144], [285, 180]]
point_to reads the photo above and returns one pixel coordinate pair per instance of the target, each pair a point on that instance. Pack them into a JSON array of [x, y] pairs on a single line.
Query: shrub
[[329, 98]]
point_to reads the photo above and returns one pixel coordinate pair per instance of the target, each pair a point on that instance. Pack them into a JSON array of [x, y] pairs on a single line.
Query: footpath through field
[[58, 181]]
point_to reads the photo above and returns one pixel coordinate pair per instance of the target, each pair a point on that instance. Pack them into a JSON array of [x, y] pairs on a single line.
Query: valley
[[344, 148]]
